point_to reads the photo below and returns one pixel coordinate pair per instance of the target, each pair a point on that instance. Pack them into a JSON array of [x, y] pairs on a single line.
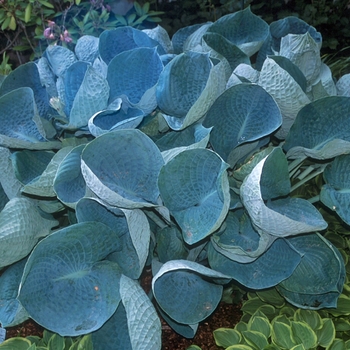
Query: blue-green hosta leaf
[[224, 47], [273, 266], [133, 74], [304, 52], [21, 228], [143, 322], [343, 85], [116, 116], [195, 189], [160, 35], [73, 79], [194, 41], [170, 244], [324, 85], [125, 173], [246, 73], [289, 217], [19, 115], [42, 185], [68, 182], [188, 86], [238, 241], [318, 280], [79, 292], [27, 75], [180, 36], [321, 129], [186, 330], [113, 42], [91, 97], [285, 90], [8, 179], [114, 333], [11, 312], [243, 29], [135, 244], [3, 197], [29, 165], [186, 290], [243, 113], [86, 48], [60, 59], [335, 194], [175, 142]]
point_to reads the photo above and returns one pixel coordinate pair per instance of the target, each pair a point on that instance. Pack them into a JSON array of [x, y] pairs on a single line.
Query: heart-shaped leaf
[[133, 74], [160, 35], [185, 291], [335, 194], [318, 280], [113, 42], [125, 173], [276, 264], [60, 59], [188, 86], [86, 48], [195, 189], [243, 29], [80, 287], [332, 135], [243, 113]]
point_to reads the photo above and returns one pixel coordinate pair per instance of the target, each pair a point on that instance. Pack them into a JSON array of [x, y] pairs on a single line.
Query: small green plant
[[5, 67], [49, 341]]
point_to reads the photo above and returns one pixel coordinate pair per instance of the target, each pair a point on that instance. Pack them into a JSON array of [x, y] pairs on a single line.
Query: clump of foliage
[[49, 341], [184, 155]]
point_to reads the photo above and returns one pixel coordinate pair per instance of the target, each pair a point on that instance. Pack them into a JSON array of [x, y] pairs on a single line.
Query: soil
[[226, 315]]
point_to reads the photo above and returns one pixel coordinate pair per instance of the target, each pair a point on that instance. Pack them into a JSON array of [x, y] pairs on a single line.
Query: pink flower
[[66, 37], [47, 33], [52, 36], [51, 24]]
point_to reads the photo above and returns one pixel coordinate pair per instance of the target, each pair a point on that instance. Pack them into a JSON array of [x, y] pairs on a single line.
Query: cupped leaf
[[60, 59], [318, 280], [335, 193], [181, 36], [160, 35], [133, 75], [186, 292], [21, 228], [68, 183], [11, 312], [86, 48], [42, 185], [27, 75], [195, 189], [287, 217], [80, 291], [115, 117], [113, 42], [243, 29], [194, 41], [304, 52], [188, 86], [238, 240], [243, 113], [29, 165], [343, 85], [19, 116], [321, 129], [224, 47], [143, 322], [275, 265], [90, 98], [286, 89], [125, 173]]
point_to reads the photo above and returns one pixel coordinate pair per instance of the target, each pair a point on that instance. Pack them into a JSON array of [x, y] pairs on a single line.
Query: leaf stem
[[314, 199], [309, 177], [295, 165]]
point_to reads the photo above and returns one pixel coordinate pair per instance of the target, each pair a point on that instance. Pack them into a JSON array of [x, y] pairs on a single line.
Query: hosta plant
[[184, 155]]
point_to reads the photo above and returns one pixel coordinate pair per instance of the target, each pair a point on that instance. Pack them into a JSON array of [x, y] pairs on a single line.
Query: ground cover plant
[[185, 155]]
